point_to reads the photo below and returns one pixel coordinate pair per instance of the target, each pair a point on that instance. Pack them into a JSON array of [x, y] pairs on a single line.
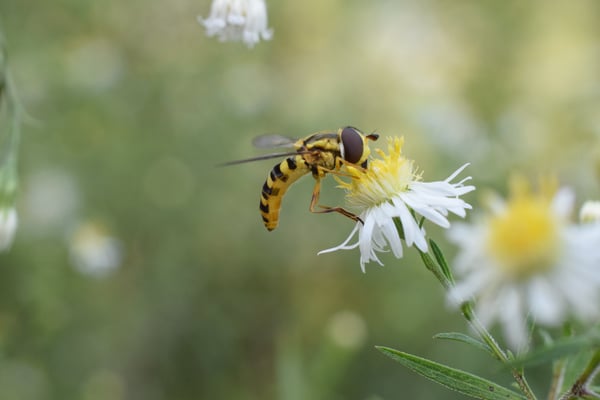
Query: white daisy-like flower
[[390, 192], [526, 260], [238, 20], [8, 227]]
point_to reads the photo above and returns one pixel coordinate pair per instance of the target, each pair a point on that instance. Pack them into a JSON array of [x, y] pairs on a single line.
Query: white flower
[[590, 211], [8, 227], [527, 260], [390, 192], [347, 329], [238, 20], [93, 251]]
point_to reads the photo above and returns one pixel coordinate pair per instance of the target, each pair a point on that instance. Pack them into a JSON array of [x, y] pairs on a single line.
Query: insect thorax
[[325, 159]]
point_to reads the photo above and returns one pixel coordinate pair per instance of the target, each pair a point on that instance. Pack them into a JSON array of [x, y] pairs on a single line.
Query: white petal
[[379, 243], [388, 228], [563, 202], [513, 320], [237, 20], [365, 236], [469, 287], [582, 295], [344, 245], [412, 232], [545, 304], [418, 204], [457, 172]]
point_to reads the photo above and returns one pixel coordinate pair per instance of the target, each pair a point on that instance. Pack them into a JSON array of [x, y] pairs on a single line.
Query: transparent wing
[[270, 141], [264, 157]]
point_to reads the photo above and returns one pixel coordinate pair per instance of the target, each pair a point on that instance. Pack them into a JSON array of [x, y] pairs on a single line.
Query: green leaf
[[399, 227], [574, 367], [461, 337], [558, 349], [439, 256], [455, 379]]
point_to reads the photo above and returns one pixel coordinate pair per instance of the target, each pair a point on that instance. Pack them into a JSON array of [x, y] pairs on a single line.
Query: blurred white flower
[[347, 329], [8, 227], [590, 211], [94, 251], [390, 192], [238, 20], [527, 260]]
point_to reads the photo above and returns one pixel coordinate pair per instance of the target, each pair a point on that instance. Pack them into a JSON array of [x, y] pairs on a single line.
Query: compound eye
[[352, 141]]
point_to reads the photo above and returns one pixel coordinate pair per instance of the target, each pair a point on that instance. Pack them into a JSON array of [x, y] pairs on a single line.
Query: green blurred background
[[142, 271]]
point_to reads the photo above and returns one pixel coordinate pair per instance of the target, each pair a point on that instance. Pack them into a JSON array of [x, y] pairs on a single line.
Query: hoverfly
[[320, 153]]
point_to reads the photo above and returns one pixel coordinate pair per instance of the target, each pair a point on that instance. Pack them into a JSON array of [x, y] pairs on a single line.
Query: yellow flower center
[[524, 237], [382, 179]]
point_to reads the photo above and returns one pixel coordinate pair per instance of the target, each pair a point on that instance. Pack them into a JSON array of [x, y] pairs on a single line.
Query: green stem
[[14, 110], [432, 266], [581, 386], [558, 377], [10, 108], [469, 314], [482, 332], [517, 373]]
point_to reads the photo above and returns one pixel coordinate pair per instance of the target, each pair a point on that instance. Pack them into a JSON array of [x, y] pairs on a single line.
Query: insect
[[319, 154]]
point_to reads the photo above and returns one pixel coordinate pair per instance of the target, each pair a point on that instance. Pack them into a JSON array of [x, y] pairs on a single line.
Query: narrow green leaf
[[545, 336], [558, 349], [439, 256], [399, 227], [461, 337], [428, 261], [455, 379]]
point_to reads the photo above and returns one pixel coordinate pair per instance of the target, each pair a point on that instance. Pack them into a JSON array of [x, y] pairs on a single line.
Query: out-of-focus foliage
[[142, 271]]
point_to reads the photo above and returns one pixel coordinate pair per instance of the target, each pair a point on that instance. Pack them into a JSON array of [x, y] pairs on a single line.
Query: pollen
[[524, 236], [384, 177]]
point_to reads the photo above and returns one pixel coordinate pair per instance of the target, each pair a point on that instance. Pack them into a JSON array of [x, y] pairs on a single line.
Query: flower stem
[[517, 373], [435, 269], [10, 108], [469, 313], [581, 386], [558, 377]]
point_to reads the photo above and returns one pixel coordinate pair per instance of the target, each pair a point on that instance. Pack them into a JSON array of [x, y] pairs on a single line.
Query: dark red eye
[[353, 144]]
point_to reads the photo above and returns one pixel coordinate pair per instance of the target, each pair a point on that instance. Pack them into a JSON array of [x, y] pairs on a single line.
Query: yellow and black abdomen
[[280, 179]]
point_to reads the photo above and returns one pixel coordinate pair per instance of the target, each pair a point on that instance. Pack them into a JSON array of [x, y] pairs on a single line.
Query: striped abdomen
[[280, 179]]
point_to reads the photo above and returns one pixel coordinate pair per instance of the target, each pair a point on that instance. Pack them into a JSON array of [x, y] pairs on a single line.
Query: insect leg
[[348, 163], [327, 209], [334, 172]]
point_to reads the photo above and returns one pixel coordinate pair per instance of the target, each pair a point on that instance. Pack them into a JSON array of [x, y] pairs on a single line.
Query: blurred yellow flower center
[[383, 179], [524, 237]]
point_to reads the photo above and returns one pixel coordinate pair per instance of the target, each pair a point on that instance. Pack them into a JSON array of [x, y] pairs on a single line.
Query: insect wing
[[260, 158], [270, 141]]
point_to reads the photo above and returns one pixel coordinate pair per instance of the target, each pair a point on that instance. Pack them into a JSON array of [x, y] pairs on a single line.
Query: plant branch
[[469, 314], [581, 386]]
